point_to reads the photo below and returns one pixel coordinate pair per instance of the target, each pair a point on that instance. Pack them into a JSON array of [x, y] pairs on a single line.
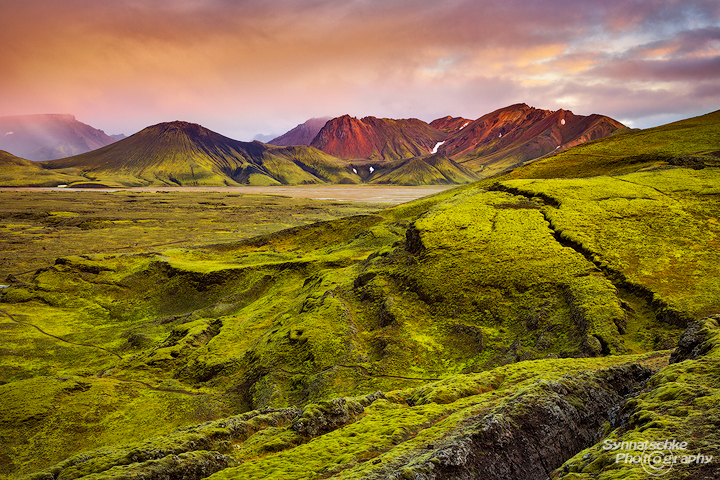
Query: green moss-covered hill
[[519, 327], [181, 153], [18, 172]]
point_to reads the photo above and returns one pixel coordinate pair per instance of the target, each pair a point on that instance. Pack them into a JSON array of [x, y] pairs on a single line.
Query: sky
[[242, 67]]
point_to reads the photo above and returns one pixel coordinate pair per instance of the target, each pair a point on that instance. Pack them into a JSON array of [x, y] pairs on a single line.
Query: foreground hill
[[181, 153], [47, 137], [18, 172]]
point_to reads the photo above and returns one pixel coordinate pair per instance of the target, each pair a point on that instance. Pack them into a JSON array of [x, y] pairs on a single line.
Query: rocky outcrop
[[696, 340], [534, 432], [413, 242], [186, 466], [317, 418]]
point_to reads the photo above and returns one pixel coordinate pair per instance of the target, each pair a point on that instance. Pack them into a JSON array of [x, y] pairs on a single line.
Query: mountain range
[[493, 143], [48, 137], [449, 150]]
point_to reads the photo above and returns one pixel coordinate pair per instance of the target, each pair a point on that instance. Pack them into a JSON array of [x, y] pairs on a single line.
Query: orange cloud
[[244, 67]]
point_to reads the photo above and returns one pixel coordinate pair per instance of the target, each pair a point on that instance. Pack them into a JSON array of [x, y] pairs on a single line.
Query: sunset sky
[[243, 68]]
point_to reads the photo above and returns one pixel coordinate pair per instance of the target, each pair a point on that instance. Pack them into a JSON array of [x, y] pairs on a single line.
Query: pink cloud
[[246, 67]]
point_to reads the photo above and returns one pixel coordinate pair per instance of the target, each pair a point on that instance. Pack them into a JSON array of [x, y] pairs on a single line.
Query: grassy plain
[[38, 227]]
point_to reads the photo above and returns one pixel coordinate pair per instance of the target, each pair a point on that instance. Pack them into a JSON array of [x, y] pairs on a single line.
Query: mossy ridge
[[511, 268], [211, 439], [229, 436], [659, 232], [679, 404], [396, 432]]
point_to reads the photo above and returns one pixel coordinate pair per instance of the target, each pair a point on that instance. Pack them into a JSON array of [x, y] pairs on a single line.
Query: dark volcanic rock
[[413, 242], [534, 432], [317, 418], [694, 342]]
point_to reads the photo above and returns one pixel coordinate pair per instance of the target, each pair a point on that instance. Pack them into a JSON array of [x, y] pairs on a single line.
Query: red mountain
[[513, 135], [495, 142], [47, 137], [303, 134], [377, 138], [450, 124]]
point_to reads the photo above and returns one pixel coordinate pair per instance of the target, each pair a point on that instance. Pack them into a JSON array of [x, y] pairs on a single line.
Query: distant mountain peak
[[376, 138], [303, 134], [49, 136], [450, 124]]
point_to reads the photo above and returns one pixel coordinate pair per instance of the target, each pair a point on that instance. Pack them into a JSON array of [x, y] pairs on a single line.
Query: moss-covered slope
[[437, 290], [18, 172]]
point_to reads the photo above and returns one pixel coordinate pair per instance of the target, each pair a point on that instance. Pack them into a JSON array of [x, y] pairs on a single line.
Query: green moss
[[656, 230], [455, 305]]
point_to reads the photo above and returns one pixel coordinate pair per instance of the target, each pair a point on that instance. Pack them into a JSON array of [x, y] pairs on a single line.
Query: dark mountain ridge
[[344, 150], [500, 140], [516, 134]]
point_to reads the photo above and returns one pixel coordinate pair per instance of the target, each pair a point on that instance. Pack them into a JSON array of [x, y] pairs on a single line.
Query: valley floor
[[391, 195], [507, 329]]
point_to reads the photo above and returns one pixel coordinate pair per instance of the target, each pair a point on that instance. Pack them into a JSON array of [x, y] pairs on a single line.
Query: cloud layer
[[248, 67]]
